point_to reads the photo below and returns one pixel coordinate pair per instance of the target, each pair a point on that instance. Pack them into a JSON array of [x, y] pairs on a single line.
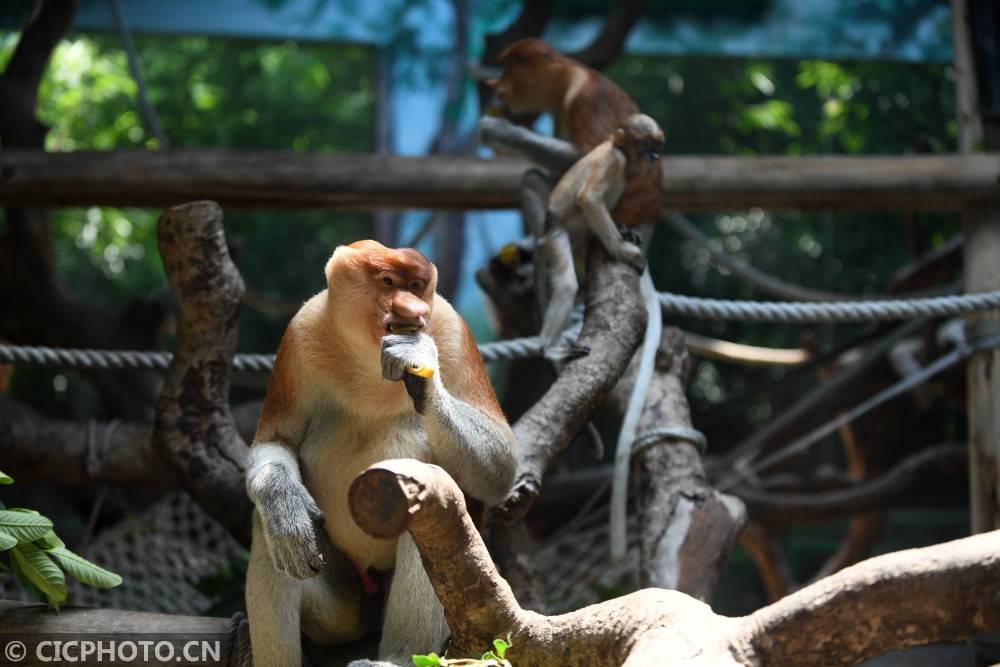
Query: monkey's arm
[[287, 511], [467, 432], [605, 168]]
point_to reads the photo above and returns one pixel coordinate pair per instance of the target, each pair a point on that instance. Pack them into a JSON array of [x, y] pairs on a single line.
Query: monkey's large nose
[[408, 306]]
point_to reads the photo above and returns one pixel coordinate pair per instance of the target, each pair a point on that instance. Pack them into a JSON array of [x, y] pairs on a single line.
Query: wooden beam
[[981, 232], [272, 179]]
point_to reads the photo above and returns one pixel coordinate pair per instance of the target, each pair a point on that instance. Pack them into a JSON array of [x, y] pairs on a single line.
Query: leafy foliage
[[495, 658], [209, 93], [38, 558], [753, 107]]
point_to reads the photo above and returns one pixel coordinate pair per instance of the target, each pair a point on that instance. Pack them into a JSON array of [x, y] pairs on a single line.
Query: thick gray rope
[[504, 350], [811, 312], [522, 348]]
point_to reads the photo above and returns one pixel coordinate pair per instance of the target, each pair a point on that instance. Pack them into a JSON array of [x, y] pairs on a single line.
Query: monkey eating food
[[376, 366]]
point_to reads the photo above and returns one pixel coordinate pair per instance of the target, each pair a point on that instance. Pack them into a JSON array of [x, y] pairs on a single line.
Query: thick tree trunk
[[687, 528], [195, 431]]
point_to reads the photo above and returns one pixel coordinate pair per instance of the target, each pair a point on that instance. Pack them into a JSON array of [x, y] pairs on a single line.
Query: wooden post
[[970, 126], [981, 227], [981, 230]]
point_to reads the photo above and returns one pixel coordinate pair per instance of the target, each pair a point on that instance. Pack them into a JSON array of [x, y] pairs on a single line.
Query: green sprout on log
[[40, 560], [495, 658]]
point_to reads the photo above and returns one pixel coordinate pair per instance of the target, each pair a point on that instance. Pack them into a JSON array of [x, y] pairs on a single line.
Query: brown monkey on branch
[[377, 366], [586, 106], [580, 206], [619, 180]]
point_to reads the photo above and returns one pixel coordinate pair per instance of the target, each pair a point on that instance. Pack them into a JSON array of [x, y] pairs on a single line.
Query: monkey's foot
[[560, 354], [629, 234]]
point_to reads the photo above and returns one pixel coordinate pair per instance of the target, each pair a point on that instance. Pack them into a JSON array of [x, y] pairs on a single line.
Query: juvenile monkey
[[376, 366], [617, 181], [580, 205]]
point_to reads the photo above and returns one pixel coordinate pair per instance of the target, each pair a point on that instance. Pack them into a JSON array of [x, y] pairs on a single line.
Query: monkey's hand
[[631, 254], [403, 353], [290, 521]]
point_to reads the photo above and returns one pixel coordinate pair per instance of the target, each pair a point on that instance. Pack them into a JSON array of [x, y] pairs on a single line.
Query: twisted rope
[[523, 348], [28, 355], [846, 311]]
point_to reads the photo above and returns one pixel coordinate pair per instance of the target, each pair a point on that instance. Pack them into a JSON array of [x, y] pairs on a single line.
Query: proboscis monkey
[[617, 181], [587, 108], [376, 366], [580, 205]]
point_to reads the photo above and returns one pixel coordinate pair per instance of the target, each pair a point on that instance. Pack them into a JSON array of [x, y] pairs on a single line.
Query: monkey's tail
[[630, 423]]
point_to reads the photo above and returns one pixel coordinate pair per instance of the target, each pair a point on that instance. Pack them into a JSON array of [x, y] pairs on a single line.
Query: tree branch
[[855, 614], [687, 528], [946, 592], [612, 328], [194, 428], [54, 452], [608, 44], [784, 508]]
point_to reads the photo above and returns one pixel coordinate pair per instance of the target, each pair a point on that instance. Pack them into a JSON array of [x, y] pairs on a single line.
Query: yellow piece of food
[[510, 255], [422, 371]]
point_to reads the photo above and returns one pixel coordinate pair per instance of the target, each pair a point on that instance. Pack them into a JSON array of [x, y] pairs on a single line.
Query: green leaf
[[5, 478], [50, 541], [429, 660], [22, 526], [83, 570], [40, 570], [7, 541], [500, 647], [32, 590]]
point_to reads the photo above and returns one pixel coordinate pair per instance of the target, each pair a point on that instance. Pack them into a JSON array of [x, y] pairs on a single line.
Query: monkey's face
[[641, 138], [647, 148], [530, 70], [378, 290]]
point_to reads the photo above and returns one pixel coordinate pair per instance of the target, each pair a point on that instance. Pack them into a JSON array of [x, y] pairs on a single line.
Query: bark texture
[[263, 179], [687, 528], [195, 431], [848, 617], [612, 328]]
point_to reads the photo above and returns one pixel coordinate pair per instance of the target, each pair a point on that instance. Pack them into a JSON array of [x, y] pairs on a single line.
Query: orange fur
[[329, 365], [587, 107]]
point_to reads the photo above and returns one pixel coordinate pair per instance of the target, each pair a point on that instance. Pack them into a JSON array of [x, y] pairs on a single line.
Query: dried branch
[[784, 508], [853, 615], [612, 328], [90, 452], [608, 44], [87, 453], [194, 428]]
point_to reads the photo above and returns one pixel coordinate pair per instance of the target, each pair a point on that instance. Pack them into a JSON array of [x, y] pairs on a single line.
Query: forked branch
[[944, 592]]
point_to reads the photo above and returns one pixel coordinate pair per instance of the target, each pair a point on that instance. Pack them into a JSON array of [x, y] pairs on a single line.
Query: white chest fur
[[336, 448]]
